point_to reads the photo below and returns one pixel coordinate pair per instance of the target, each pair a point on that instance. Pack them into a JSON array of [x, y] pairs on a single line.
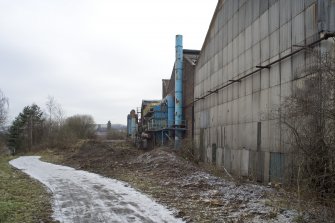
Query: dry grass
[[21, 198]]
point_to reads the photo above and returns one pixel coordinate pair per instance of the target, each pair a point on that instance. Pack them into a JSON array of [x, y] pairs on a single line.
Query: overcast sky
[[98, 57]]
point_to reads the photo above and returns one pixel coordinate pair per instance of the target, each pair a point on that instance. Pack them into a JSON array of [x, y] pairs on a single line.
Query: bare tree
[[50, 106], [308, 115], [56, 119], [3, 108], [55, 112]]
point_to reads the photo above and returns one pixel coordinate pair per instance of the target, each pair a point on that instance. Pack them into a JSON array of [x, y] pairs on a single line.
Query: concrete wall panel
[[229, 136], [265, 136], [248, 108], [264, 25], [264, 104], [248, 37], [219, 157], [263, 6], [255, 9], [285, 11], [266, 166], [298, 29], [256, 103], [255, 31], [236, 162], [209, 154], [274, 98], [286, 70], [274, 136], [274, 43], [265, 49], [241, 64], [256, 82], [241, 42], [236, 88], [275, 75], [235, 111], [227, 159], [298, 65], [310, 21], [274, 17], [285, 36], [241, 88], [248, 85], [286, 90], [297, 7], [242, 109], [248, 59], [244, 162], [265, 78]]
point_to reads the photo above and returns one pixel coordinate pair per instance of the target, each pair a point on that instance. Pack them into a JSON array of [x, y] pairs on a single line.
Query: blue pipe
[[128, 125], [133, 122], [178, 89], [170, 106]]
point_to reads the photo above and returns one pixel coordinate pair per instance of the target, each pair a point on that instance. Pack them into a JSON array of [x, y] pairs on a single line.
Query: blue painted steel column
[[128, 125], [133, 127], [133, 122], [178, 89], [170, 106]]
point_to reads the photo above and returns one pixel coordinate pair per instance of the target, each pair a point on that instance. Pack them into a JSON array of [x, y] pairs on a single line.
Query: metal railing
[[160, 124]]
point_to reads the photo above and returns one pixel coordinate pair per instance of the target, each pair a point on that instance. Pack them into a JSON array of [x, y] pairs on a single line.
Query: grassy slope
[[21, 198]]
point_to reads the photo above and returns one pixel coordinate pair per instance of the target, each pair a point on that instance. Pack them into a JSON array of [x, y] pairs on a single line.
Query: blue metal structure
[[132, 120], [128, 125], [162, 120], [170, 110], [178, 89]]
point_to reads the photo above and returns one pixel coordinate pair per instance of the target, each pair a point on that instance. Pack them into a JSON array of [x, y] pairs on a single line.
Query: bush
[[114, 134], [81, 126], [308, 118]]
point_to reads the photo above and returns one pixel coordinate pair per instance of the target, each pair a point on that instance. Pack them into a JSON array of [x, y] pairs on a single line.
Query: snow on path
[[80, 196]]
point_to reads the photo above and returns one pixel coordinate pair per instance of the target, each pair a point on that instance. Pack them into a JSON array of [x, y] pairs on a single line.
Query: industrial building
[[252, 58], [254, 55], [190, 58], [170, 120], [132, 124]]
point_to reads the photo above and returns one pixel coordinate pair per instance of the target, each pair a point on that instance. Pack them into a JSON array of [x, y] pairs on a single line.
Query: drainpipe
[[178, 89]]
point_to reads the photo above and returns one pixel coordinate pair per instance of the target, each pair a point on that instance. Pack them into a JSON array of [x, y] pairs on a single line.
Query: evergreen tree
[[109, 126], [27, 128]]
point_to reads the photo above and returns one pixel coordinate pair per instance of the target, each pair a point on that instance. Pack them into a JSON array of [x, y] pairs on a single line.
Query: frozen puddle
[[80, 196]]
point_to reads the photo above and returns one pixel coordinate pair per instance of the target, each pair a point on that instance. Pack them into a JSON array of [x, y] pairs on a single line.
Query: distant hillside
[[119, 126], [103, 127]]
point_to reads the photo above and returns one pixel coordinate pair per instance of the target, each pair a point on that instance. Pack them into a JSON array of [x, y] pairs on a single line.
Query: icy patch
[[80, 196]]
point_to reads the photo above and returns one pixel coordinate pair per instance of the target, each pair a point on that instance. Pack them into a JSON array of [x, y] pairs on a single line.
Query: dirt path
[[194, 194], [80, 196]]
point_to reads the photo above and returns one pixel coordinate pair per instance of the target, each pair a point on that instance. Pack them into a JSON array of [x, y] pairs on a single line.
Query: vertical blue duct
[[128, 125], [170, 106], [178, 89], [133, 122]]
